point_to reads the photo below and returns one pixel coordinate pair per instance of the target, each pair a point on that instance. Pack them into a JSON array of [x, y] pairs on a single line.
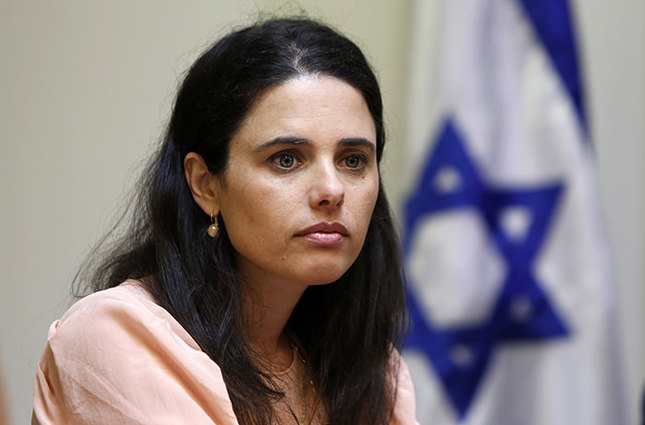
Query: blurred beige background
[[86, 88]]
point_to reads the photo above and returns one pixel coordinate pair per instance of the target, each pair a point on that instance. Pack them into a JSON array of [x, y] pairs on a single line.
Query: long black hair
[[347, 329]]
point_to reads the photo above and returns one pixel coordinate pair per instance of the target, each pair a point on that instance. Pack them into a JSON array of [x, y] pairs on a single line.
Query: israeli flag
[[510, 289]]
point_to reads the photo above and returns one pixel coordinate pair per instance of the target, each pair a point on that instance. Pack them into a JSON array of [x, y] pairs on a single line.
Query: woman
[[260, 280]]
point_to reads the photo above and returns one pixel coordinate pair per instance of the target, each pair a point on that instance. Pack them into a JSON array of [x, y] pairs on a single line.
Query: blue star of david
[[461, 355]]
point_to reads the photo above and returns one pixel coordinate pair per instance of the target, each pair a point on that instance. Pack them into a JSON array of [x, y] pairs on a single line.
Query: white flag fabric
[[510, 289]]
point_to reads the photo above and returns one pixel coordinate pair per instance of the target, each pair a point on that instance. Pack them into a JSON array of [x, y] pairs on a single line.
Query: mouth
[[325, 234]]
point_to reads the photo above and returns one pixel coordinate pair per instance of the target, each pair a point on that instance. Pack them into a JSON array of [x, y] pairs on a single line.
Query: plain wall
[[612, 39], [86, 88]]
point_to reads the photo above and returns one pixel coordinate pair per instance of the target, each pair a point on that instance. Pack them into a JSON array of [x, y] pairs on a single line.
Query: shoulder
[[129, 298], [404, 405], [125, 310], [109, 332], [112, 352]]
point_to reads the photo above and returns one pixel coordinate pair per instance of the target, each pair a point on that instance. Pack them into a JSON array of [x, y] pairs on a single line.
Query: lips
[[326, 234]]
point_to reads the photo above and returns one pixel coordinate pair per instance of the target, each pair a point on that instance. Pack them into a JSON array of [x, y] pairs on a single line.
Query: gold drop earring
[[213, 228]]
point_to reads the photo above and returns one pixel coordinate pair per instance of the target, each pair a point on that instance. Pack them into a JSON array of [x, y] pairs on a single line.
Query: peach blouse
[[116, 357]]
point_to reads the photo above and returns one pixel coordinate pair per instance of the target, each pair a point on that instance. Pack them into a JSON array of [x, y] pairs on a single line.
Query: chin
[[324, 273], [320, 282]]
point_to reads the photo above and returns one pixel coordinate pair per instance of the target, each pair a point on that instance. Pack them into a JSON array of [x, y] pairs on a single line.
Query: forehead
[[315, 107]]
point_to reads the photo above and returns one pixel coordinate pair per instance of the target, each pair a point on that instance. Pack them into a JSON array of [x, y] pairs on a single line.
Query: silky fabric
[[116, 357]]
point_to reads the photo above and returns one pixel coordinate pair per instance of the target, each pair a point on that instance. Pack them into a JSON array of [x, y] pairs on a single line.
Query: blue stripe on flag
[[552, 23]]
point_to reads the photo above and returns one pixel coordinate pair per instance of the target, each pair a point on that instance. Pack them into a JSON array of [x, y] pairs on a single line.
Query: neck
[[267, 308]]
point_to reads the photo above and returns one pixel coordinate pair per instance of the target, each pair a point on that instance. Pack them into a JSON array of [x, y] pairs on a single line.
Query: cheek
[[366, 203], [372, 191], [256, 214]]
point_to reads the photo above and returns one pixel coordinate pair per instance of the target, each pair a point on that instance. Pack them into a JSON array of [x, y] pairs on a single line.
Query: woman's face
[[301, 183]]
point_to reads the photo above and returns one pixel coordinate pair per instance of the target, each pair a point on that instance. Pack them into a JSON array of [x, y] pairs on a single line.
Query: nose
[[327, 191]]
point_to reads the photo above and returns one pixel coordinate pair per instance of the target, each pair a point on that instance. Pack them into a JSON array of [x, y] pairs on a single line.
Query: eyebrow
[[349, 141], [282, 141], [357, 141]]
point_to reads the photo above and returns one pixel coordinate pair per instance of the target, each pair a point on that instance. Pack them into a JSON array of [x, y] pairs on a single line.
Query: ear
[[203, 185]]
